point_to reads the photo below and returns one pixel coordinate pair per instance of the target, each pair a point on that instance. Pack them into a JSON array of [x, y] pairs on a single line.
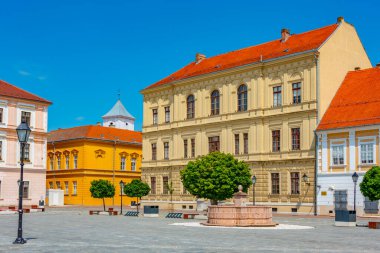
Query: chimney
[[357, 68], [285, 34], [98, 124], [340, 19], [378, 65], [199, 57]]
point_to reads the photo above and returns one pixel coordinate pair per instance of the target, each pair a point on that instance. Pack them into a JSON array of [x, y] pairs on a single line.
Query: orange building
[[79, 155]]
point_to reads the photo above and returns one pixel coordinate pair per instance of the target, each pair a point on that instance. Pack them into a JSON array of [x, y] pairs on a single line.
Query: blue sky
[[79, 53]]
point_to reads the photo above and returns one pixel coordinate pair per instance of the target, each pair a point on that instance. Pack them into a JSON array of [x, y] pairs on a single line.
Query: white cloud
[[24, 73], [79, 118]]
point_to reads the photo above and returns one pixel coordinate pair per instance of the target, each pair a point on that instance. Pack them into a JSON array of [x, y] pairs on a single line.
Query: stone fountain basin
[[240, 216]]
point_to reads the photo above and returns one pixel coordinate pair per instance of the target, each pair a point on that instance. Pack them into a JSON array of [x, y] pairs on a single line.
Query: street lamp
[[121, 196], [253, 189], [355, 178], [23, 132], [305, 178]]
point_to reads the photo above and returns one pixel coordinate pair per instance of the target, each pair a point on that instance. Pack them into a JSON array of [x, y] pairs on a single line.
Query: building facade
[[79, 155], [348, 136], [260, 103], [17, 105]]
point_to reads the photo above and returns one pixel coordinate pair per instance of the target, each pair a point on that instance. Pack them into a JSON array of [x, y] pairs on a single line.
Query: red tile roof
[[10, 90], [357, 101], [95, 132], [296, 43]]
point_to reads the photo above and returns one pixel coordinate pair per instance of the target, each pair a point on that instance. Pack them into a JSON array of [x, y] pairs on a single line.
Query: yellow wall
[[96, 160]]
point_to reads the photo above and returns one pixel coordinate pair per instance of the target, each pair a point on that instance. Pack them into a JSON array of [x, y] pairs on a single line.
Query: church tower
[[119, 117]]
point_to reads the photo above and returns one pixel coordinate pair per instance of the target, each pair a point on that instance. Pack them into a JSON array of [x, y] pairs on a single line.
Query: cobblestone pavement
[[73, 230]]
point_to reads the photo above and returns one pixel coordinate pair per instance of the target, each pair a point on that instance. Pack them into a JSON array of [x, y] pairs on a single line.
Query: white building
[[348, 139], [119, 117]]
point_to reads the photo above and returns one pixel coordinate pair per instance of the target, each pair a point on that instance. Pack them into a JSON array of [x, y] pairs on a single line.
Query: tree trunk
[[104, 205], [137, 204], [214, 202]]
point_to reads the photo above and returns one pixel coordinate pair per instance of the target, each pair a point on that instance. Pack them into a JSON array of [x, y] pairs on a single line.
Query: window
[[25, 117], [58, 162], [338, 154], [167, 114], [166, 150], [276, 140], [51, 163], [51, 185], [75, 187], [122, 163], [1, 115], [154, 151], [242, 98], [215, 102], [296, 93], [275, 177], [153, 185], [245, 138], [66, 188], [58, 185], [133, 164], [75, 161], [190, 107], [1, 150], [295, 182], [296, 139], [26, 152], [237, 144], [67, 161], [25, 190], [277, 97], [192, 147], [155, 117], [367, 153], [185, 148], [213, 144], [165, 185]]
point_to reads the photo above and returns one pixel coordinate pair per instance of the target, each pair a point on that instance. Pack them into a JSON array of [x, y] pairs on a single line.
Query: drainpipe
[[316, 57]]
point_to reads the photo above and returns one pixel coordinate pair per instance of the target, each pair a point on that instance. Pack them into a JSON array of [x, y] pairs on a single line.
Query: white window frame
[[3, 105], [66, 187], [133, 164], [27, 108], [123, 161], [361, 142], [75, 188], [333, 143], [27, 197]]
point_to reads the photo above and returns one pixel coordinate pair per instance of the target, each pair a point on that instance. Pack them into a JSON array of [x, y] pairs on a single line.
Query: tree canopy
[[136, 188], [216, 176], [101, 189], [370, 186]]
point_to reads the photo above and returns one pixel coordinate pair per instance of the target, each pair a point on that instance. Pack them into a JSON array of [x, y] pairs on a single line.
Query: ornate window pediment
[[134, 155], [99, 153], [74, 152], [58, 154], [51, 155], [123, 154], [66, 153]]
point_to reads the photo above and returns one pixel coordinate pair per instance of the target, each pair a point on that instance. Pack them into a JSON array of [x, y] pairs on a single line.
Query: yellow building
[[349, 135], [260, 103], [79, 155]]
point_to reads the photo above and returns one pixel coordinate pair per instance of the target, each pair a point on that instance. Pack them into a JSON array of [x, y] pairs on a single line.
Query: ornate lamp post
[[355, 178], [23, 132], [253, 189], [121, 196]]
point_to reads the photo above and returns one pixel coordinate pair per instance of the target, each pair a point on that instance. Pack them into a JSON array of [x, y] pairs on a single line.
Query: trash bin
[[151, 211], [345, 218]]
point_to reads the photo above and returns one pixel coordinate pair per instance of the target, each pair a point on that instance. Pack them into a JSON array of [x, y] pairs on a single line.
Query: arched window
[[190, 107], [215, 102], [242, 98]]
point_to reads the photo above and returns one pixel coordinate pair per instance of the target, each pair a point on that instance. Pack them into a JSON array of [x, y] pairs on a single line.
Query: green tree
[[136, 189], [216, 176], [370, 186], [102, 189]]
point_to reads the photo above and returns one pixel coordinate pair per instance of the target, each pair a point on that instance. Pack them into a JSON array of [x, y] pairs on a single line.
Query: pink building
[[16, 104]]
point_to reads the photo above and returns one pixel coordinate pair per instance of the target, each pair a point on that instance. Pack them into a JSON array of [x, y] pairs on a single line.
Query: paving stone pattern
[[73, 230]]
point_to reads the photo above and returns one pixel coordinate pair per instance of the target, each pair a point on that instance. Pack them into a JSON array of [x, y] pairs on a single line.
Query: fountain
[[239, 214]]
